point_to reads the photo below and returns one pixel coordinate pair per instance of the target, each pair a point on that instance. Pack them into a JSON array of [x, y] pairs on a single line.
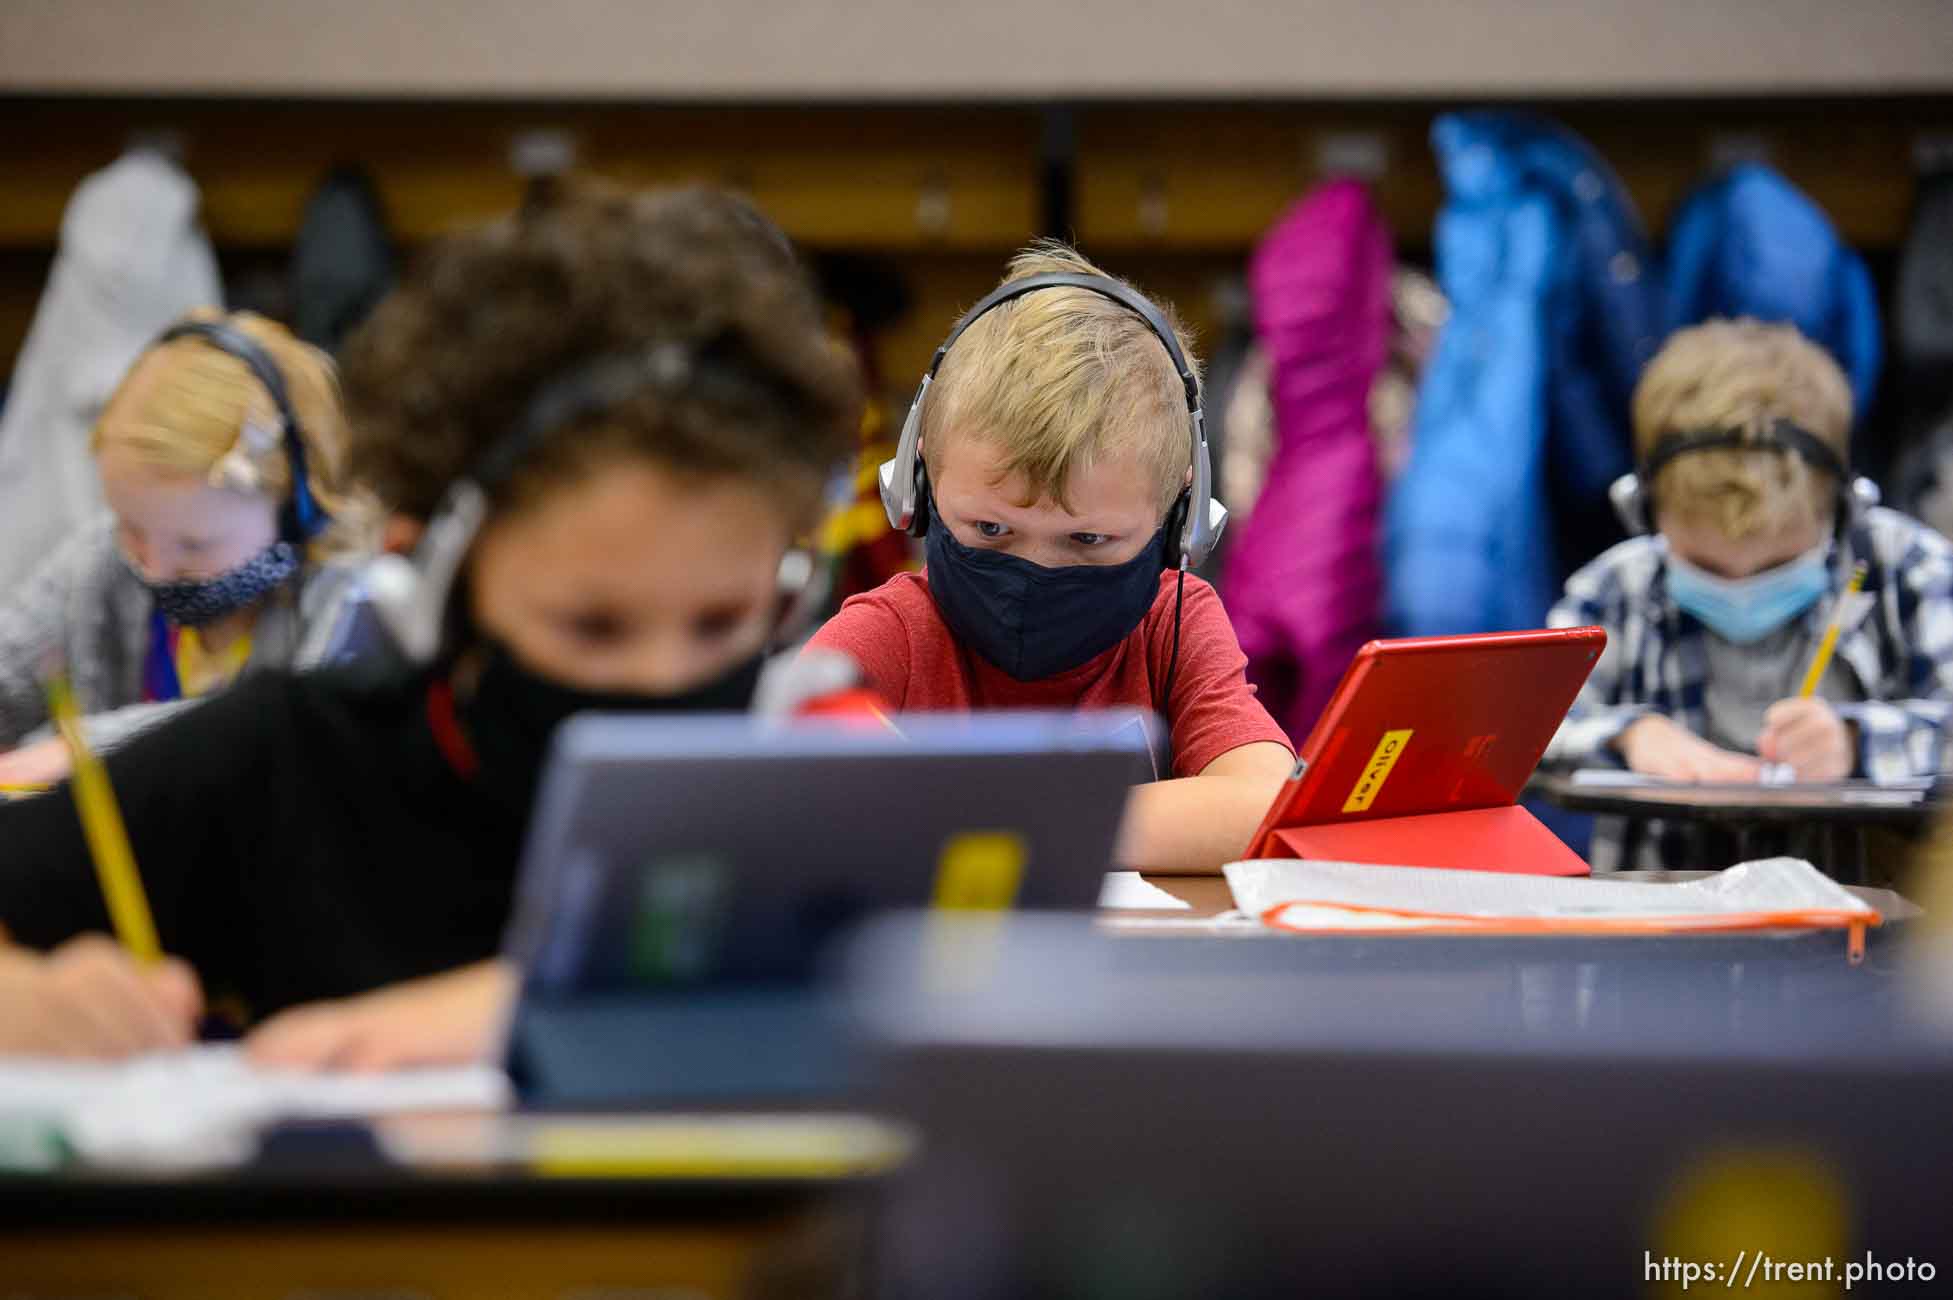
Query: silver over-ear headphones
[[412, 596], [1197, 518], [1631, 493]]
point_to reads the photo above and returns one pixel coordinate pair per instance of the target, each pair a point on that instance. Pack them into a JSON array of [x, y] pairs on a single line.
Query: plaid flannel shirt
[[1900, 651]]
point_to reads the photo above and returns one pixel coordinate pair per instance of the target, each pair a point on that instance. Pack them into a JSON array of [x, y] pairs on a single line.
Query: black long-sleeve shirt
[[299, 837]]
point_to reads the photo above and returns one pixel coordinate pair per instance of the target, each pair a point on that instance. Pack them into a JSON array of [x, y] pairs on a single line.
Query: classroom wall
[[899, 49], [1173, 195], [1163, 137]]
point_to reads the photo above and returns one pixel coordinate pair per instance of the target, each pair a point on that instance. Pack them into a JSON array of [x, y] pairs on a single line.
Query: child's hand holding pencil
[[93, 996], [88, 998], [1805, 734]]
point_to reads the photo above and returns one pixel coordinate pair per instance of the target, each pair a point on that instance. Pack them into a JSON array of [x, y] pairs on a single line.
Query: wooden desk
[[1207, 895], [444, 1225]]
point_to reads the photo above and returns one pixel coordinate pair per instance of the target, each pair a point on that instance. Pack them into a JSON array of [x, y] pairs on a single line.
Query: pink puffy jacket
[[1304, 583]]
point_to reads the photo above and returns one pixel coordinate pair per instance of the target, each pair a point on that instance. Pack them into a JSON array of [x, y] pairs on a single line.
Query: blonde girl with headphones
[[226, 545]]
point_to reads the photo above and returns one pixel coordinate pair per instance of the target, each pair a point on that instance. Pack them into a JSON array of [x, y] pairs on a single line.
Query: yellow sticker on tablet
[[978, 871], [1377, 771], [977, 875]]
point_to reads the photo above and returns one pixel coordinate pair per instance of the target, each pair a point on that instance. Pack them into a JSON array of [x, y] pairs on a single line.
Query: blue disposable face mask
[[1032, 621], [1743, 610]]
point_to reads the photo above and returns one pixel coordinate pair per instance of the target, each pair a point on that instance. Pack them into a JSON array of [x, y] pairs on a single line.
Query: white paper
[[1327, 888], [1228, 923], [1617, 778], [1130, 889], [1907, 790], [206, 1104]]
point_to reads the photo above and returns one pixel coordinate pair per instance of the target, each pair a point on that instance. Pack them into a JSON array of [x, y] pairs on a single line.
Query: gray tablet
[[688, 872]]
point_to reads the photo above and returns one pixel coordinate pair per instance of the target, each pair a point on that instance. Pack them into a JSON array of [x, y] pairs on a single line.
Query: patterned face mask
[[197, 601]]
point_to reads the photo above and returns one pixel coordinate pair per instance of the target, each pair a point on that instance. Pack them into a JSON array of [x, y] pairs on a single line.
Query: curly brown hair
[[449, 364]]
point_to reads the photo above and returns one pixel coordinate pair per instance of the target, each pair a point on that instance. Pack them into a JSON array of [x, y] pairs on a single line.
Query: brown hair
[[448, 365], [189, 408], [1058, 378], [1745, 376]]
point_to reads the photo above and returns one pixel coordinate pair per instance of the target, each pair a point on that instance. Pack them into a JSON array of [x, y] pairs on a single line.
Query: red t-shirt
[[909, 657]]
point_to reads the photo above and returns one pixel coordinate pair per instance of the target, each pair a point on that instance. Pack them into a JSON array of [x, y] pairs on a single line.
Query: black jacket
[[299, 837]]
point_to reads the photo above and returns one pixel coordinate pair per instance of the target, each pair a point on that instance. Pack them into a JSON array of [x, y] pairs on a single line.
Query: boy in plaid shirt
[[1742, 431]]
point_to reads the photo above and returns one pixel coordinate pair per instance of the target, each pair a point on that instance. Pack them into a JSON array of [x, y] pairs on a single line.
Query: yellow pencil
[[1822, 659], [101, 823]]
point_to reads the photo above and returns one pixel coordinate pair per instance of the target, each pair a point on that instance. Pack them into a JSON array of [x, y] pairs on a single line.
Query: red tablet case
[[1420, 757]]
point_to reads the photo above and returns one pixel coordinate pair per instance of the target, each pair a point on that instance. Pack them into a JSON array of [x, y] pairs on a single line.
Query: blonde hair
[[189, 408], [1746, 376], [1057, 379]]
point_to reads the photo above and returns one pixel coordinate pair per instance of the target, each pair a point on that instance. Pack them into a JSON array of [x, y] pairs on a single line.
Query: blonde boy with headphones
[[1055, 463], [1751, 528]]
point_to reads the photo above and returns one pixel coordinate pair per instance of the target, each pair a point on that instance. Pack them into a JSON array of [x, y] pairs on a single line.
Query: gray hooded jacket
[[85, 607]]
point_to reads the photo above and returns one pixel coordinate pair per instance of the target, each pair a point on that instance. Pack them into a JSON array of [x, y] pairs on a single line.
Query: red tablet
[[1433, 726]]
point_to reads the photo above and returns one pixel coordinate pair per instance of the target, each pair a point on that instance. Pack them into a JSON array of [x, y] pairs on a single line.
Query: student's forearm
[[454, 1018], [1193, 825], [116, 727], [1592, 735]]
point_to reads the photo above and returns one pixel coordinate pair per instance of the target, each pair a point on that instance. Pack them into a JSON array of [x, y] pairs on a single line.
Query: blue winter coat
[[1749, 243], [1522, 416]]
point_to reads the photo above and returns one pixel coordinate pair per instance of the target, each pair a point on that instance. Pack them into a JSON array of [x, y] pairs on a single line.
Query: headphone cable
[[1172, 668]]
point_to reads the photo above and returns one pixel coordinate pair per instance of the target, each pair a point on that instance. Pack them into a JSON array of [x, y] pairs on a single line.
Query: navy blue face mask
[[1032, 621]]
